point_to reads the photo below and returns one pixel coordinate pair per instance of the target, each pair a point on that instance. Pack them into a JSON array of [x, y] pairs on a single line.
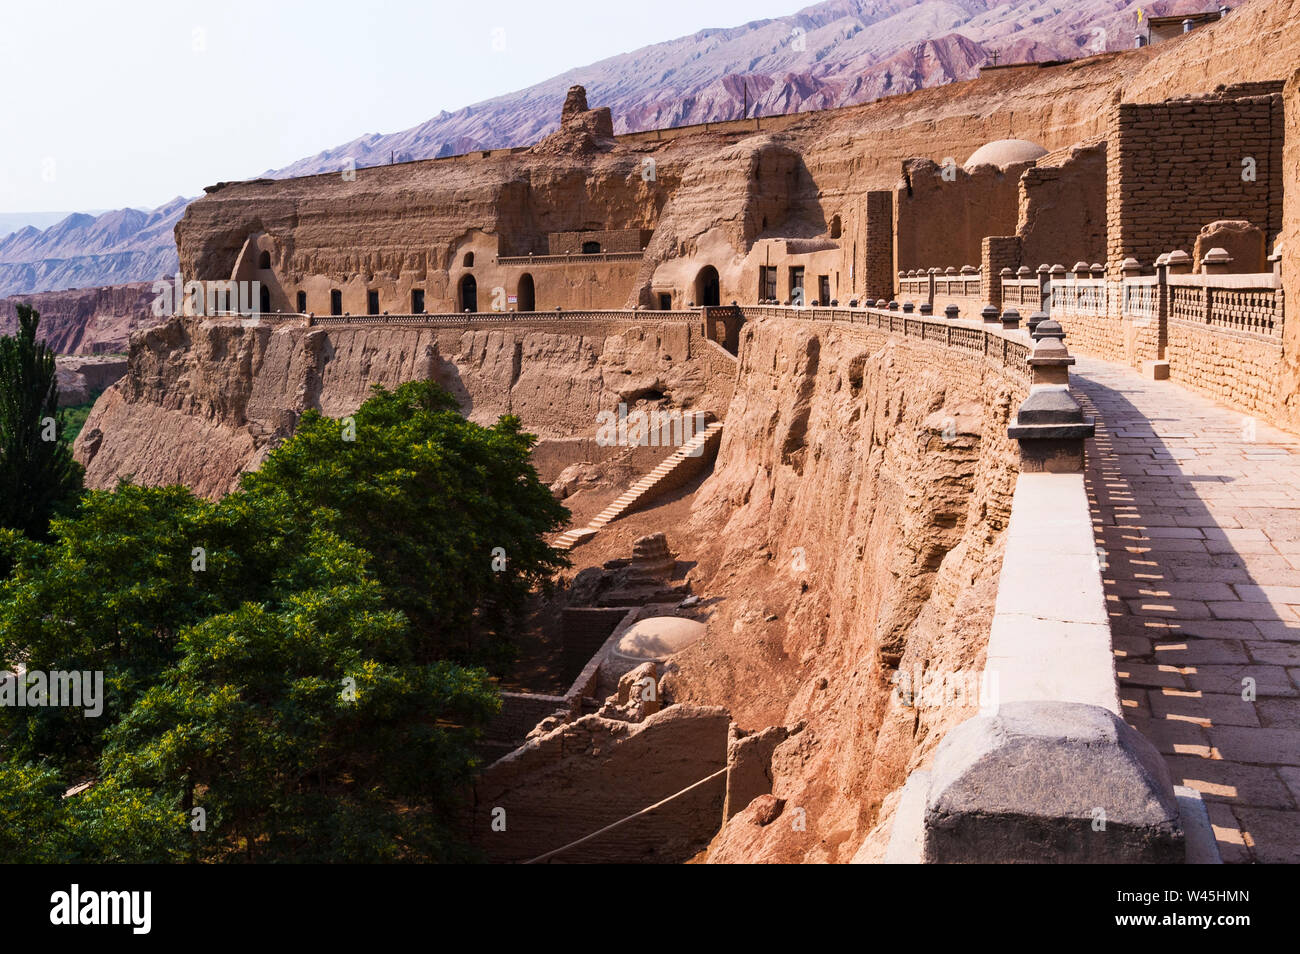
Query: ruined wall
[[203, 399], [1256, 42], [878, 247], [1176, 166], [855, 514], [942, 223], [610, 240], [619, 768], [1062, 216]]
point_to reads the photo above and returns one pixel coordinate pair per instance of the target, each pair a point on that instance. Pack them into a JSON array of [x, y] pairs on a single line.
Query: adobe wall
[[1174, 167], [587, 774], [877, 265], [1239, 370], [942, 223], [1062, 208], [610, 240]]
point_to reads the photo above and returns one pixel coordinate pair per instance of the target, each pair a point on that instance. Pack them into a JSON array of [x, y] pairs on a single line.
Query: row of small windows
[[525, 298]]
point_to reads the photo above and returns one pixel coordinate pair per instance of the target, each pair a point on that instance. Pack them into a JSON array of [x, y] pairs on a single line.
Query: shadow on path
[[1196, 510]]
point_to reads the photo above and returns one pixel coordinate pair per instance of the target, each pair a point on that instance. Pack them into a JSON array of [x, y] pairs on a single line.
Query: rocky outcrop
[[86, 320], [82, 379], [854, 522], [203, 398]]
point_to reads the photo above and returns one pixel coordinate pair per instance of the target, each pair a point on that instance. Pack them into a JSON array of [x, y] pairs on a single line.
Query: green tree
[[452, 512], [37, 472], [259, 660]]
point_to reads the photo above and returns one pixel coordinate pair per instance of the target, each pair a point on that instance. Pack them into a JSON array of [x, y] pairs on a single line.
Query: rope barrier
[[621, 821]]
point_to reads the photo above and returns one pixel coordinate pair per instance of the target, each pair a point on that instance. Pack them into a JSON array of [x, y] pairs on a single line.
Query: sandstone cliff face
[[856, 508], [85, 320], [204, 398]]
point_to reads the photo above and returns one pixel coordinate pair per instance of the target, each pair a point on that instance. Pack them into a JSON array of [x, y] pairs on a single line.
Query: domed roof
[[658, 637], [1003, 153]]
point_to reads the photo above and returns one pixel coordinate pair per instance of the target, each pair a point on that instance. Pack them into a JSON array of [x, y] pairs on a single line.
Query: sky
[[106, 104]]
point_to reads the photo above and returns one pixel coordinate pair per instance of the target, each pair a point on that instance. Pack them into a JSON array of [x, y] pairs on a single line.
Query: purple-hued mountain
[[124, 245], [835, 53]]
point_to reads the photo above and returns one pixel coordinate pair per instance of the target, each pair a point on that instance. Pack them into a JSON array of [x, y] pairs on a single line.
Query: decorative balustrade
[[1140, 297], [1080, 296], [931, 286], [1249, 304], [1022, 293], [1006, 348], [569, 259], [503, 317]]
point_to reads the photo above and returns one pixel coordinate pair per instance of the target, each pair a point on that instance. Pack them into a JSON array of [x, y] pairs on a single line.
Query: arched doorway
[[468, 294], [706, 286], [265, 300], [527, 293]]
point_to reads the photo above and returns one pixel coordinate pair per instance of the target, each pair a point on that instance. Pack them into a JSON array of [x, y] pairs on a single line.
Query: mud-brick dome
[[658, 637], [1003, 153]]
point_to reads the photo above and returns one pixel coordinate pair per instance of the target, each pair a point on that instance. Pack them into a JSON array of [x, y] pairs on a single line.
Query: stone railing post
[[1050, 425]]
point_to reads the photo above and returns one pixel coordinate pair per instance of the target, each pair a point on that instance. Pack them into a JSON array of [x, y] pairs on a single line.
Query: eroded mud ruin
[[969, 358]]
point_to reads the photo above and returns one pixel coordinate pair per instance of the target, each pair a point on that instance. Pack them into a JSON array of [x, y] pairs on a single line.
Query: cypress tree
[[37, 472]]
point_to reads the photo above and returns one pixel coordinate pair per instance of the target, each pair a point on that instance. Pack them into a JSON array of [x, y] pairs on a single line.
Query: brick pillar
[[878, 273], [996, 253]]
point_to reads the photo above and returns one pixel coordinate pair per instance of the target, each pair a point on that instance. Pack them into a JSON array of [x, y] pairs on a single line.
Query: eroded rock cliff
[[853, 525], [204, 399]]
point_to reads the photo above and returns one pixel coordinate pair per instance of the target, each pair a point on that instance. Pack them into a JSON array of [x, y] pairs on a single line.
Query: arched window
[[469, 260], [264, 260], [527, 293], [835, 227], [468, 294], [590, 248]]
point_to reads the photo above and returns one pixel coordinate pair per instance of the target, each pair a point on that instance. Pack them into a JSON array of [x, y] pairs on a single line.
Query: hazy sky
[[107, 104]]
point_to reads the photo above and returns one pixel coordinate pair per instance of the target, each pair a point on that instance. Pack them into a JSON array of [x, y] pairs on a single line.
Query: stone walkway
[[1197, 514]]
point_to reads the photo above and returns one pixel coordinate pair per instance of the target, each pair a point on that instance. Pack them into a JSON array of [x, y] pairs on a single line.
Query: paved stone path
[[1197, 514]]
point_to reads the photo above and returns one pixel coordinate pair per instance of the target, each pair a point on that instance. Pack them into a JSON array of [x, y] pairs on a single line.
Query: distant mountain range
[[84, 250], [13, 221], [835, 53]]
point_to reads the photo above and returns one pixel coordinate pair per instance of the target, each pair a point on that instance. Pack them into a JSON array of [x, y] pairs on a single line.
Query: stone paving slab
[[1196, 511]]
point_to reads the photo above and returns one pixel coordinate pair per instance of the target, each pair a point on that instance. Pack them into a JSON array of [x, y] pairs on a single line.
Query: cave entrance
[[527, 293], [468, 294], [264, 300], [706, 287]]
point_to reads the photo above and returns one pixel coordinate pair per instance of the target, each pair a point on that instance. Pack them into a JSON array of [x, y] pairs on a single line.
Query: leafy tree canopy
[[286, 670]]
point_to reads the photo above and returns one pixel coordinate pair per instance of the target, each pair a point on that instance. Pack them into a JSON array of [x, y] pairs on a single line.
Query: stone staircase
[[692, 451]]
